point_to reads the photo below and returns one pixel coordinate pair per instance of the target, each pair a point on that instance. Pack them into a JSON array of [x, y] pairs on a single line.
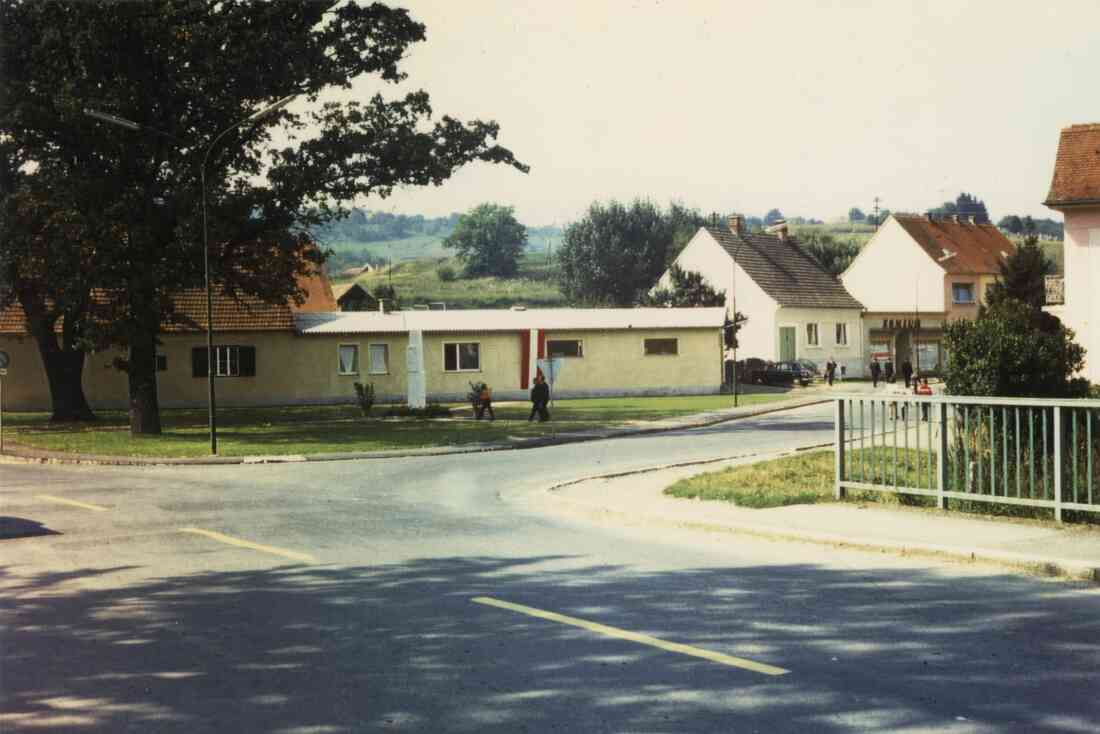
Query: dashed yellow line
[[73, 503], [230, 540], [622, 634]]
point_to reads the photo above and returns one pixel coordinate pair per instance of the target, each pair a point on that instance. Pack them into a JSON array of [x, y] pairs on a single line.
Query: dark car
[[751, 369], [786, 373], [809, 366]]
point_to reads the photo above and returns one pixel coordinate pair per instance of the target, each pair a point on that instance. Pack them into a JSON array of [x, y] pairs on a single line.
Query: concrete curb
[[28, 454], [1028, 563]]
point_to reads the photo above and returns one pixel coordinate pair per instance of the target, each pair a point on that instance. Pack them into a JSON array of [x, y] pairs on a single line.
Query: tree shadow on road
[[402, 647]]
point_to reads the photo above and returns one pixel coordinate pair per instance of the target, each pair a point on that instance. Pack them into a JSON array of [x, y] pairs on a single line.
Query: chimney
[[779, 229], [737, 224]]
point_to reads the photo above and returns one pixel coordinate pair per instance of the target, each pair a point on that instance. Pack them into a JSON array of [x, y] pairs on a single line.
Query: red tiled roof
[[230, 314], [959, 247], [1077, 167]]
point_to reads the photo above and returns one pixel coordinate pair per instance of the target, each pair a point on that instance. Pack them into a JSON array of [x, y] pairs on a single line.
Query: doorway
[[786, 343]]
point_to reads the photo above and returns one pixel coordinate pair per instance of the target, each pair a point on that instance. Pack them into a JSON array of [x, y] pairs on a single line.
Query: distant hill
[[376, 238]]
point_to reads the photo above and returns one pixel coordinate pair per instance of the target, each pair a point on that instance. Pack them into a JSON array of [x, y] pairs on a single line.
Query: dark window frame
[[650, 347], [579, 350]]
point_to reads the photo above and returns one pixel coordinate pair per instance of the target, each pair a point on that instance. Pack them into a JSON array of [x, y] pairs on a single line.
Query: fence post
[[941, 460], [840, 441], [1058, 463]]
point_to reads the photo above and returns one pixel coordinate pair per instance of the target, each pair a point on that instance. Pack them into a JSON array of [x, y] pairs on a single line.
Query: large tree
[[832, 254], [686, 288], [187, 71], [489, 241], [615, 253], [1023, 276]]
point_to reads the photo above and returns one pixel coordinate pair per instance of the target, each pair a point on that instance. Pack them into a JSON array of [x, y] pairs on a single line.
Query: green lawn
[[322, 429], [804, 478]]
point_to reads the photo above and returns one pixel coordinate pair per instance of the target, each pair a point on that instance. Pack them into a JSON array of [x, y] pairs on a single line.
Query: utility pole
[[877, 222]]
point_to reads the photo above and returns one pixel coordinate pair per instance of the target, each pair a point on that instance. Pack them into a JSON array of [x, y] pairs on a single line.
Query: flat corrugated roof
[[558, 319]]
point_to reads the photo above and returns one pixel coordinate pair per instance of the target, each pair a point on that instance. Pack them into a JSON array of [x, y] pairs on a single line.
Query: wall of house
[[849, 355], [893, 273], [1082, 267], [292, 369], [615, 362], [963, 310], [705, 256]]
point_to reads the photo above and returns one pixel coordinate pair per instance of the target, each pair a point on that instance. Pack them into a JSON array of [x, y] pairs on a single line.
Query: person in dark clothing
[[907, 371], [875, 372], [830, 370], [540, 397], [485, 403], [888, 372]]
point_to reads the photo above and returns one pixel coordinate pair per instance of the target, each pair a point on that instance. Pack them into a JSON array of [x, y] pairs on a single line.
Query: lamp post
[[136, 126]]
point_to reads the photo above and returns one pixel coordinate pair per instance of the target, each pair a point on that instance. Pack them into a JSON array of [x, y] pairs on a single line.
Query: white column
[[414, 369]]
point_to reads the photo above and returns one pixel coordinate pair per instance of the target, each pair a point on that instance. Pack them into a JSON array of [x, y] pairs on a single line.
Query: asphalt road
[[420, 594]]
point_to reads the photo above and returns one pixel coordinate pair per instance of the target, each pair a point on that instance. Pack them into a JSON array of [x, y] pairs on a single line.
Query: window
[[349, 359], [229, 361], [462, 357], [811, 335], [564, 348], [657, 347], [162, 362], [842, 334], [962, 292], [379, 356]]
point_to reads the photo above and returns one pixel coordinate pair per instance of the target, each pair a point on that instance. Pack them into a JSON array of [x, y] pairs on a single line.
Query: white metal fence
[[1013, 451]]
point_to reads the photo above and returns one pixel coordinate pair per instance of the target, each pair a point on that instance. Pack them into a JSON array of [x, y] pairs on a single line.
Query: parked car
[[811, 367], [786, 373], [751, 369]]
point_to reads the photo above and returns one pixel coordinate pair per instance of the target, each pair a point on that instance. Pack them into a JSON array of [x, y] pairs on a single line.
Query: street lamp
[[131, 125]]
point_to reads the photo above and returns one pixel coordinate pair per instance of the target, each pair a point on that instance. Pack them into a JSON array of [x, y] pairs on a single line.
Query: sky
[[810, 107]]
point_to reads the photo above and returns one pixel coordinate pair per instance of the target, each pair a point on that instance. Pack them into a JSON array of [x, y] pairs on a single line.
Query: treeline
[[362, 225]]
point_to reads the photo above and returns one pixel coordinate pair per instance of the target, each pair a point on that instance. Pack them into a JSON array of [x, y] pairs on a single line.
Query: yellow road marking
[[74, 503], [230, 540], [622, 634]]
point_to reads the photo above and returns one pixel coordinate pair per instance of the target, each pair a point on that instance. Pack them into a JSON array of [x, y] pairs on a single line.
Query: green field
[[418, 281]]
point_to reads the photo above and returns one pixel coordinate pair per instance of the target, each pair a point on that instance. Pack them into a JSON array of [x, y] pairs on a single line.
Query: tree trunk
[[142, 373], [64, 373]]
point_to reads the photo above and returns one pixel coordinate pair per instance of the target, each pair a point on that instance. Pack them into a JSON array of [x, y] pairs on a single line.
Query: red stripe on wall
[[524, 359], [542, 344]]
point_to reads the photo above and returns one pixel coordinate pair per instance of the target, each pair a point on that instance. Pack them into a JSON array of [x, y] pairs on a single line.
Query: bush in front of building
[[364, 396], [1013, 350]]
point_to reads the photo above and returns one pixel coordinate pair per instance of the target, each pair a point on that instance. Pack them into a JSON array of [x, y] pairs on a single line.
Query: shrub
[[364, 396], [446, 273]]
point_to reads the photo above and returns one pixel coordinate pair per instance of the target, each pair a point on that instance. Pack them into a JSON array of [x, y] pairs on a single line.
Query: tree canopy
[[686, 288], [855, 214], [773, 216], [832, 254], [190, 74], [964, 205], [489, 240], [1023, 276], [616, 252]]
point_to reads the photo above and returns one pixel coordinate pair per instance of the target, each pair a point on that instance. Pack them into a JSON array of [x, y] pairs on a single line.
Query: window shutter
[[198, 362], [248, 361]]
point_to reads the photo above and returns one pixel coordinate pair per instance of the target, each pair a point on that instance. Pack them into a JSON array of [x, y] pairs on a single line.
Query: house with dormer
[[916, 274], [795, 309]]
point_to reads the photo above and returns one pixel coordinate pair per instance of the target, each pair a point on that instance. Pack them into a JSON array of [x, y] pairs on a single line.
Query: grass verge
[[324, 429]]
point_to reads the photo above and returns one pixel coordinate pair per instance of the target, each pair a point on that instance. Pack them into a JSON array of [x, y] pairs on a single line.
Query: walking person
[[921, 387], [875, 372], [485, 403], [830, 370], [889, 371], [907, 371], [540, 397]]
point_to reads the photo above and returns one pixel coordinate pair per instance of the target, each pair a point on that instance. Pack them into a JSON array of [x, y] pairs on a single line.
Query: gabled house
[[1075, 192], [795, 309], [915, 274], [356, 298]]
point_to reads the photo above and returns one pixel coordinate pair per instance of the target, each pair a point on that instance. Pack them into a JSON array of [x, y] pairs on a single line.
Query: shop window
[[462, 357], [564, 348], [812, 338], [842, 335], [659, 347]]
